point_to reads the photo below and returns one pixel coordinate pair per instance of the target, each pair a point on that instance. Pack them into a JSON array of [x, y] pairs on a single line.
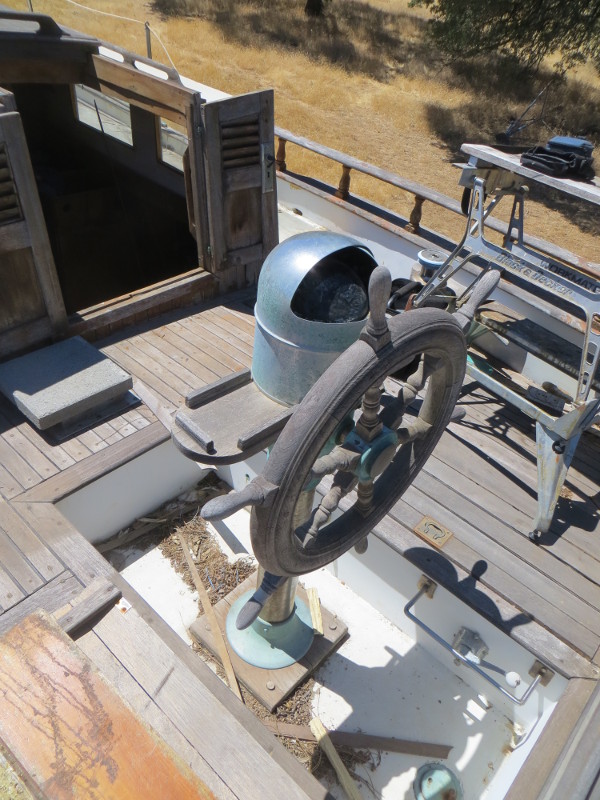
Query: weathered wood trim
[[105, 318], [95, 466], [550, 747], [52, 596], [198, 210], [12, 133], [166, 98]]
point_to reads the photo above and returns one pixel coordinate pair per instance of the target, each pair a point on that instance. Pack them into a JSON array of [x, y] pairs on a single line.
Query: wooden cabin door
[[31, 305], [241, 186]]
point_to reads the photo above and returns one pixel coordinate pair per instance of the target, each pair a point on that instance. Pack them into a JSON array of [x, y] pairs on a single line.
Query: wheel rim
[[427, 352]]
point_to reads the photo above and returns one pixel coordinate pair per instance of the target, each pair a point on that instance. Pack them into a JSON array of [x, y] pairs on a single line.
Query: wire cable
[[126, 19]]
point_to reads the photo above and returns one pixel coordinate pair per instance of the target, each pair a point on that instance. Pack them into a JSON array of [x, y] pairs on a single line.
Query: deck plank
[[247, 769], [135, 363], [32, 547], [32, 453], [53, 595], [507, 580], [226, 342], [128, 687], [557, 547]]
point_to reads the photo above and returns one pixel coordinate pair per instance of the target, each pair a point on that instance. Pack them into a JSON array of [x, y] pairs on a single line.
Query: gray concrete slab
[[59, 383]]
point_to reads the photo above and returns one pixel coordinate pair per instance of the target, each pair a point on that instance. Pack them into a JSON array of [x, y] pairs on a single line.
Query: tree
[[530, 30], [314, 8]]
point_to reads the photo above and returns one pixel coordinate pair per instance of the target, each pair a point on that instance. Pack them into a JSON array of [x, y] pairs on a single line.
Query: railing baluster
[[280, 157], [344, 187], [415, 214]]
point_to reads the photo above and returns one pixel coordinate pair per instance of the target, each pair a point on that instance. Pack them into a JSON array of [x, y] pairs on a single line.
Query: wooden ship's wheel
[[363, 430]]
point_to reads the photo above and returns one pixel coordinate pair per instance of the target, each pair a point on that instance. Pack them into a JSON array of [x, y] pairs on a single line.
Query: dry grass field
[[364, 80]]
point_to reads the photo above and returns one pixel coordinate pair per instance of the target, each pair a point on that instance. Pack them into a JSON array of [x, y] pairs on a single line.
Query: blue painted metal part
[[437, 782], [271, 645]]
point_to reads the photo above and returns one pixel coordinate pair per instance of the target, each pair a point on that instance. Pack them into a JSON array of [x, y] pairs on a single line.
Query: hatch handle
[[540, 672]]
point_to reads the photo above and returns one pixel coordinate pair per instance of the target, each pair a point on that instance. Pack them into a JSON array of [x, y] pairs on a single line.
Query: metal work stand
[[491, 173]]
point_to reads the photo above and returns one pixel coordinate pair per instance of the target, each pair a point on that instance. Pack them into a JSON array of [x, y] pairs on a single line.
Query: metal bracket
[[545, 673], [426, 586]]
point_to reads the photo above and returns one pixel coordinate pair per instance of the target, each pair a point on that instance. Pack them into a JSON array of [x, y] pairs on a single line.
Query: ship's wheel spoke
[[342, 484]]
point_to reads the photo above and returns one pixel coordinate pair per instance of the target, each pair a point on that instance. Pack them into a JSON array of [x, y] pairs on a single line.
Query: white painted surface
[[153, 577], [111, 503], [389, 678]]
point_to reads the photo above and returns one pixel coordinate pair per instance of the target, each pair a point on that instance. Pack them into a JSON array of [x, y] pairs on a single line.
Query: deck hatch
[[10, 209]]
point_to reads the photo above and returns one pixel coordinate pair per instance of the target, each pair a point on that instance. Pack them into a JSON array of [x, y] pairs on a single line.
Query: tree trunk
[[313, 8]]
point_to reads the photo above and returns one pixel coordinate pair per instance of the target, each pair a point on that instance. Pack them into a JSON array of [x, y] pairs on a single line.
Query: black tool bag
[[563, 157]]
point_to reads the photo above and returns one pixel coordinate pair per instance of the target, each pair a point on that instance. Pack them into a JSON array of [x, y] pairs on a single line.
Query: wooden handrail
[[420, 192]]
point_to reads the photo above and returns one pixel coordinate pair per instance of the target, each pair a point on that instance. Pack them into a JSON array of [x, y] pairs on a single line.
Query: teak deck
[[479, 483]]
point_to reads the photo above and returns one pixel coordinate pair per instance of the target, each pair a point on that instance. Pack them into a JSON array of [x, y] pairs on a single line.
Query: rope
[[125, 19]]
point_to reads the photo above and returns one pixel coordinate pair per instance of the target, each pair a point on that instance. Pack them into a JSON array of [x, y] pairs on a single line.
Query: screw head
[[270, 685]]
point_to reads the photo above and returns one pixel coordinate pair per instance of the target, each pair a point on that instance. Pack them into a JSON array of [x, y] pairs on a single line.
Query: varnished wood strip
[[505, 581], [517, 544], [96, 465], [52, 596], [36, 552]]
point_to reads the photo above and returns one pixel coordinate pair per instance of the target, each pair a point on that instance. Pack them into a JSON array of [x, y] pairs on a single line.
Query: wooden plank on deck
[[37, 553], [68, 730], [248, 769], [52, 596]]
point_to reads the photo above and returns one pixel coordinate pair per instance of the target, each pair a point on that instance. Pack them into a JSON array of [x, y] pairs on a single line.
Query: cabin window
[[105, 114], [172, 144]]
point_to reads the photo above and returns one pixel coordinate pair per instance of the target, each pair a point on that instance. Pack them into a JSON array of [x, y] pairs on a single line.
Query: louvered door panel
[[242, 198]]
